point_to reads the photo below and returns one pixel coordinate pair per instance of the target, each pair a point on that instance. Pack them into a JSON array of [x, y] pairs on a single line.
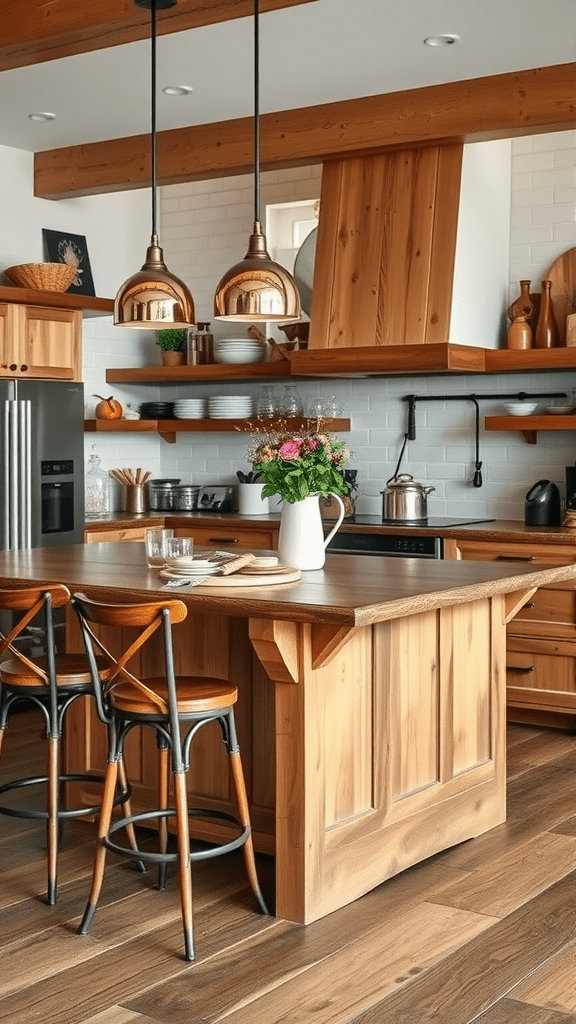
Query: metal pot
[[404, 500]]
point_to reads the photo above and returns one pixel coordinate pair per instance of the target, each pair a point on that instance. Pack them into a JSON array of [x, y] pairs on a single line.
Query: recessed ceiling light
[[445, 40], [178, 90], [42, 115]]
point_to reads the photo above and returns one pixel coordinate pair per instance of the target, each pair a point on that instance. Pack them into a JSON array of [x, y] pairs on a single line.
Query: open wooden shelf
[[199, 374], [367, 361], [88, 305], [168, 429], [529, 426]]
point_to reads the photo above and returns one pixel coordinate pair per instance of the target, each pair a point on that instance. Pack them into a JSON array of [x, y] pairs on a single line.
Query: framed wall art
[[64, 247]]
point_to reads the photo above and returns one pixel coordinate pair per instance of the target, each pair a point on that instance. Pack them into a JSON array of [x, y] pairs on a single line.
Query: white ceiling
[[314, 53]]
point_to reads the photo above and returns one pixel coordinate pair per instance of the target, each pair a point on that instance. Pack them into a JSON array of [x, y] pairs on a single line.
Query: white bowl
[[238, 357], [520, 408], [559, 410]]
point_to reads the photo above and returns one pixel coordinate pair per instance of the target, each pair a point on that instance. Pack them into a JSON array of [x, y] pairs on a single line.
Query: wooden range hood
[[389, 207]]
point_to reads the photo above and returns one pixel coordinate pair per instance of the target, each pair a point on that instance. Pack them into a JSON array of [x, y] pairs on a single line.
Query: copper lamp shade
[[257, 288], [154, 297]]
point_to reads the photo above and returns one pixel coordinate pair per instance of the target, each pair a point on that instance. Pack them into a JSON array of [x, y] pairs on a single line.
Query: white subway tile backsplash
[[532, 198], [533, 161]]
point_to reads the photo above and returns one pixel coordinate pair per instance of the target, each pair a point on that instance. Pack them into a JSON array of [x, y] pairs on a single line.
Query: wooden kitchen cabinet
[[131, 533], [229, 536], [540, 639], [40, 342], [226, 534]]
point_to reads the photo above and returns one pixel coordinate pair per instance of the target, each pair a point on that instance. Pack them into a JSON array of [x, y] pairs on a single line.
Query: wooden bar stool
[[176, 709], [52, 683]]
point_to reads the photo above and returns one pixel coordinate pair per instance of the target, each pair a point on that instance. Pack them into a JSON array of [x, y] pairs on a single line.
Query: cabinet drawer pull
[[13, 366], [222, 540], [520, 668], [23, 367], [515, 558]]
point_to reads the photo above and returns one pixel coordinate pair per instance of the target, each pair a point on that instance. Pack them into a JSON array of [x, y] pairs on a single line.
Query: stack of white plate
[[230, 407], [202, 565], [240, 350], [190, 408]]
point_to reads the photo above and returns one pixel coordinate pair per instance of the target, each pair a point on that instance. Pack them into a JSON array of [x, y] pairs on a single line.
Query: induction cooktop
[[431, 523]]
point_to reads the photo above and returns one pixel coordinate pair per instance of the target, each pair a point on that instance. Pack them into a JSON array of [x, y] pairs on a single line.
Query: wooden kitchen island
[[371, 706]]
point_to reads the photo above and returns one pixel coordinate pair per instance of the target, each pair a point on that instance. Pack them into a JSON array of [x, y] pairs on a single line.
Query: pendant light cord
[[153, 113], [256, 112]]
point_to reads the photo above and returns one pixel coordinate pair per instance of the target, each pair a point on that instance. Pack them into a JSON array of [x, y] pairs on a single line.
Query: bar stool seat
[[51, 683], [176, 709]]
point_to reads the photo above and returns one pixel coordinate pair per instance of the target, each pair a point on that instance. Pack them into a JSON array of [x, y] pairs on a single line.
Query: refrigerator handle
[[6, 491], [25, 473], [13, 486]]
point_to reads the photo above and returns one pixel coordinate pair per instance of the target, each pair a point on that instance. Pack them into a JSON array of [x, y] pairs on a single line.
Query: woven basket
[[47, 277]]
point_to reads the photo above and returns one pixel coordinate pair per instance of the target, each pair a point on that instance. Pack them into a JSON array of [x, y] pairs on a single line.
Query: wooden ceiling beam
[[34, 31], [521, 103]]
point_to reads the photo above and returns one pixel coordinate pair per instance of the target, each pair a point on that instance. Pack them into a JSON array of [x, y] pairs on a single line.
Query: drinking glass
[[156, 541], [179, 546]]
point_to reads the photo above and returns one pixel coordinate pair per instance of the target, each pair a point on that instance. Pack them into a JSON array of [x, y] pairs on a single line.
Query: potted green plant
[[172, 341]]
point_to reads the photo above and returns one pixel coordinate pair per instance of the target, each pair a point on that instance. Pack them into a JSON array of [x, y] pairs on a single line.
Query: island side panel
[[390, 752]]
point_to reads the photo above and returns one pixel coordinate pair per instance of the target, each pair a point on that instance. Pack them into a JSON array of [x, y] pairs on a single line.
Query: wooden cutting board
[[562, 274], [239, 579]]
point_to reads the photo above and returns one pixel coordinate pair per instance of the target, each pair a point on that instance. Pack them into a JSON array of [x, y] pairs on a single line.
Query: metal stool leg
[[52, 823], [163, 787]]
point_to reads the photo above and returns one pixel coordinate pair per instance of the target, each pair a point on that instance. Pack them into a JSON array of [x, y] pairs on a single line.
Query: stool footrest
[[213, 850], [63, 813]]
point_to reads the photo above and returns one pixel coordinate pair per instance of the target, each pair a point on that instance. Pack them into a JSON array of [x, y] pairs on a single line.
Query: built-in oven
[[399, 545], [407, 540]]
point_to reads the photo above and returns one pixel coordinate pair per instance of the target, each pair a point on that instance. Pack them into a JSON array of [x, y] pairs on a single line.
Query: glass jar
[[291, 404], [267, 402], [97, 490]]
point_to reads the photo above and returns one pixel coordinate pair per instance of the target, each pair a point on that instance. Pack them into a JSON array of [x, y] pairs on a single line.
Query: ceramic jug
[[301, 541]]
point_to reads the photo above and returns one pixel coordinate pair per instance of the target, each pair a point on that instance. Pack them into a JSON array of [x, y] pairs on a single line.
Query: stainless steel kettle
[[404, 500]]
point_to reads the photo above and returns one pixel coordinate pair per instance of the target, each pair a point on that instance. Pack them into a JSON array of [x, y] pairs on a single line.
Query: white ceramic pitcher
[[301, 541]]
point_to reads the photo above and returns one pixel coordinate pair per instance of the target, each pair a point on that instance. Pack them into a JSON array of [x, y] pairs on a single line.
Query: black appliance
[[542, 506], [407, 542]]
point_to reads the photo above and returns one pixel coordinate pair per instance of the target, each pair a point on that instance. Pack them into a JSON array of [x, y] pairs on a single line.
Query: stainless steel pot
[[404, 500]]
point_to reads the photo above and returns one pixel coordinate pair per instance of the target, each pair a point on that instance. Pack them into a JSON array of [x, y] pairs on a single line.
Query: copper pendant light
[[154, 297], [257, 288]]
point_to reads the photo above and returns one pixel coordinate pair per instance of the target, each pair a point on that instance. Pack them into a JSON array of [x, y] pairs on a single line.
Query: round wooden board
[[562, 274], [238, 579]]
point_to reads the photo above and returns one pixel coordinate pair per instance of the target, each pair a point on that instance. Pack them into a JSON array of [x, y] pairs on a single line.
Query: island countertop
[[351, 590], [371, 707]]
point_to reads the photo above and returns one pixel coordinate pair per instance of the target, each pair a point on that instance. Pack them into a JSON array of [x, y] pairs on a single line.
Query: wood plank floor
[[483, 932]]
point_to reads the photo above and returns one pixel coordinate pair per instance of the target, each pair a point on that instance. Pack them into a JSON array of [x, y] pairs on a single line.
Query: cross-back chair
[[176, 709]]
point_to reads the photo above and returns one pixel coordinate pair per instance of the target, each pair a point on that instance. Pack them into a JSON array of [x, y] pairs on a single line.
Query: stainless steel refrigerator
[[42, 463]]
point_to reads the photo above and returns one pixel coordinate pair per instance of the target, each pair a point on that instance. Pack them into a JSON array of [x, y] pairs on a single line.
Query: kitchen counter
[[497, 529], [371, 705]]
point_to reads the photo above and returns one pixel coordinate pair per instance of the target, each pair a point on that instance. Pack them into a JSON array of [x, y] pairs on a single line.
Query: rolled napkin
[[237, 563]]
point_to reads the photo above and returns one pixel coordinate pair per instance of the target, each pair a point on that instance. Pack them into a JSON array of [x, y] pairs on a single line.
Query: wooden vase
[[522, 307], [547, 330], [519, 334]]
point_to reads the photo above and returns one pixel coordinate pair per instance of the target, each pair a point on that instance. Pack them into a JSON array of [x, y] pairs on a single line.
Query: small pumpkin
[[108, 408]]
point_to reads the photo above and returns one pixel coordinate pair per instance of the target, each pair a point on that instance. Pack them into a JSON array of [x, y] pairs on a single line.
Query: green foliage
[[298, 465], [173, 340]]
